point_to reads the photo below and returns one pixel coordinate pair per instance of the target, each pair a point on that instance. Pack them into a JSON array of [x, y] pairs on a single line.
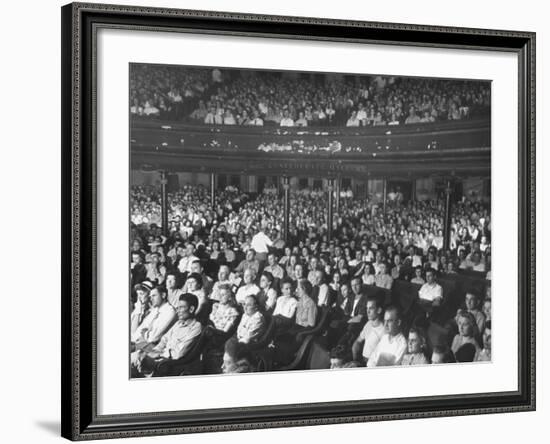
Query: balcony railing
[[428, 138]]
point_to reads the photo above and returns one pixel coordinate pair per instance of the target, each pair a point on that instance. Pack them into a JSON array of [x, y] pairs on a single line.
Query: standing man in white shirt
[[260, 244]]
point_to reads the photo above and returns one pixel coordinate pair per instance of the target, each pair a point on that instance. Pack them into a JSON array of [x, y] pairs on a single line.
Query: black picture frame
[[80, 22]]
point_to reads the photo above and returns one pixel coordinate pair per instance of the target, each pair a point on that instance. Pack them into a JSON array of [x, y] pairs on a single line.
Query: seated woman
[[224, 313], [368, 274], [418, 279], [467, 329], [416, 346], [306, 309], [248, 288], [285, 309], [142, 306]]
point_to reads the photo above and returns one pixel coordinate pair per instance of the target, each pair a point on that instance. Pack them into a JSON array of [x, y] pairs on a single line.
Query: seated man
[[431, 293], [252, 323], [321, 291], [273, 267], [157, 322], [339, 358], [393, 345], [471, 301], [174, 344], [249, 263], [249, 287], [371, 334]]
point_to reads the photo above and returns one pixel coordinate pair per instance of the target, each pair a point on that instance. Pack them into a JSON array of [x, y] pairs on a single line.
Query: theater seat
[[264, 340], [404, 294], [318, 356], [324, 316], [300, 358]]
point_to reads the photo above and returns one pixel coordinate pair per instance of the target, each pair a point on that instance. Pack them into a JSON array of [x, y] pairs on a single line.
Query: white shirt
[[286, 306], [261, 242], [246, 290], [389, 351], [250, 327], [155, 324], [179, 339], [371, 336], [430, 292], [322, 298], [287, 122], [185, 263]]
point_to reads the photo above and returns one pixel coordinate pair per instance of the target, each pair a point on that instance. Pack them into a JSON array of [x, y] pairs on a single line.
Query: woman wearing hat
[[142, 305]]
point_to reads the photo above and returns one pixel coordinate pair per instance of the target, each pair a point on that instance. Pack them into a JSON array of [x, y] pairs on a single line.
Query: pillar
[[337, 188], [329, 216], [286, 199], [213, 190], [385, 195], [448, 207], [164, 201]]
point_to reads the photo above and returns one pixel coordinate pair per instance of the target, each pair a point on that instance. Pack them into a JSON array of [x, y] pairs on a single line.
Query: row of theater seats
[[312, 344]]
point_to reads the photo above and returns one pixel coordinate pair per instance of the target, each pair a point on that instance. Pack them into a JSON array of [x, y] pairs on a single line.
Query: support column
[[286, 200], [448, 207], [413, 190], [164, 201], [337, 187], [385, 195], [212, 190], [329, 216]]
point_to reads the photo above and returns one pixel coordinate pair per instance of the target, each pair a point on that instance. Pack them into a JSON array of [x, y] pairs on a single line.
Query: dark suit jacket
[[360, 308]]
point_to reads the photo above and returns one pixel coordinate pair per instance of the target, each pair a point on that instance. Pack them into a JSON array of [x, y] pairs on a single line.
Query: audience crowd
[[223, 280], [255, 98]]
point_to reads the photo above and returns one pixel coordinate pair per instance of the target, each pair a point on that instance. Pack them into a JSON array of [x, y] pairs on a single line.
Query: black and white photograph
[[289, 220]]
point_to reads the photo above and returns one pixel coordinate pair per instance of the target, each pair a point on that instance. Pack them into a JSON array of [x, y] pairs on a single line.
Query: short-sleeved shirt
[[389, 351], [223, 316], [286, 306], [371, 336], [430, 292]]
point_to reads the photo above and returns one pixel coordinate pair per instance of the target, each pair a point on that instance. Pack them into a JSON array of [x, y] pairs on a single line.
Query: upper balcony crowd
[[265, 98]]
